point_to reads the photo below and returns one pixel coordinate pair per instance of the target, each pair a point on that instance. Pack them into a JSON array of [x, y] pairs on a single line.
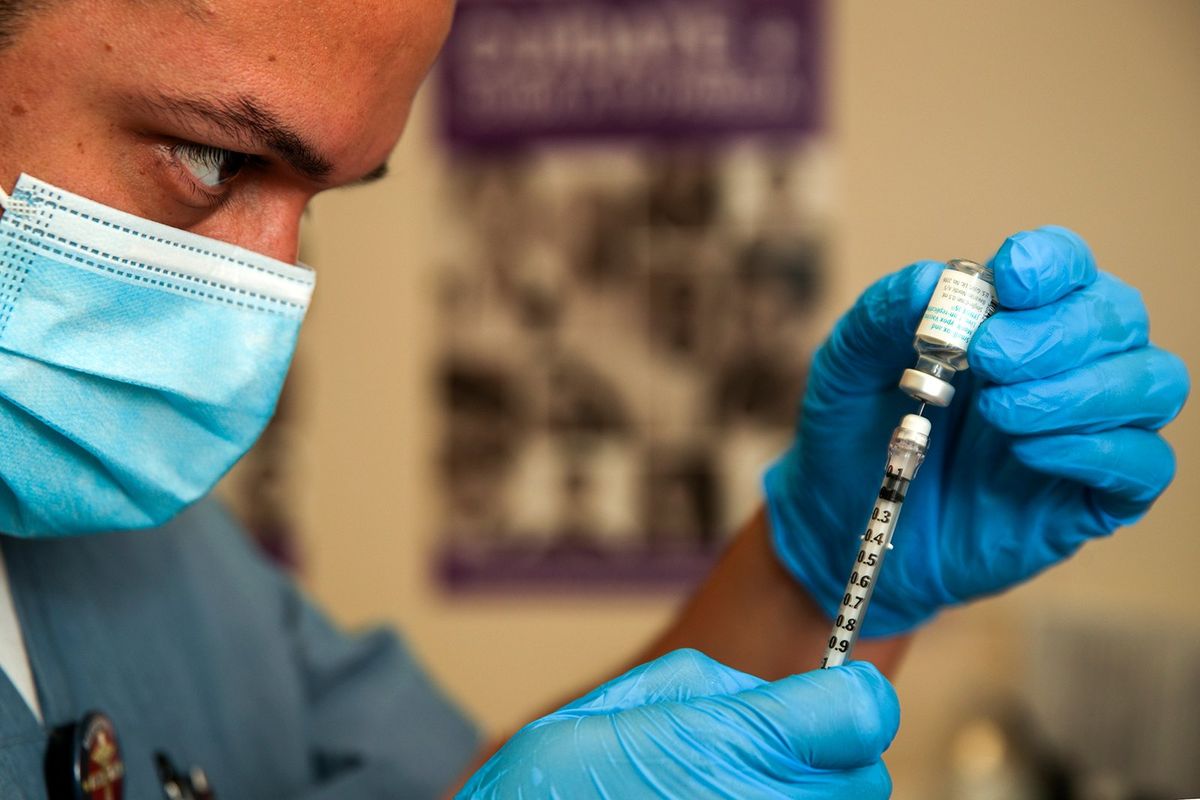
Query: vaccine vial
[[964, 297]]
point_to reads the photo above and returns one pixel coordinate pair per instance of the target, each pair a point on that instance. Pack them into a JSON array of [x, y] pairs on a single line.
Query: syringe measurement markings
[[876, 541], [858, 589]]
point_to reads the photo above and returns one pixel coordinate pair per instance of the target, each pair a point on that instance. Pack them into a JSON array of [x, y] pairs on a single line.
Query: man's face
[[223, 117]]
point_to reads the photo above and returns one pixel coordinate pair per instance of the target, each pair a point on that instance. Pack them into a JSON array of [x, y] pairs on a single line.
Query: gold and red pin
[[83, 761]]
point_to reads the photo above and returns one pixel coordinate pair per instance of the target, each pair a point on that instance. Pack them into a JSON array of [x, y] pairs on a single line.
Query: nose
[[268, 224]]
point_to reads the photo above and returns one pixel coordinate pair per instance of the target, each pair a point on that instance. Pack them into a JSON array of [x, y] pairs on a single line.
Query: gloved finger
[[1103, 318], [1037, 267], [872, 342], [1144, 388], [1126, 469], [677, 676], [863, 783], [839, 718]]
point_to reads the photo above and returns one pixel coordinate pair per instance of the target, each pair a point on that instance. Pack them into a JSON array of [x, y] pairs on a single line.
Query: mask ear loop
[[11, 206]]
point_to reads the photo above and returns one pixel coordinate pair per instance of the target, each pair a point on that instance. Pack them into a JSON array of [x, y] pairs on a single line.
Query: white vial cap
[[927, 388]]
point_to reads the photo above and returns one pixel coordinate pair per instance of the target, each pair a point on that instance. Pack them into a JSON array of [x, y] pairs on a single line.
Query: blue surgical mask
[[138, 362]]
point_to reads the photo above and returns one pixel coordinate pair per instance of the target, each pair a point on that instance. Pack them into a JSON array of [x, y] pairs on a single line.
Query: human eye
[[204, 170]]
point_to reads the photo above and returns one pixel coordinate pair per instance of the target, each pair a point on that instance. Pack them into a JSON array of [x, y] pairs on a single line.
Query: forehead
[[342, 71]]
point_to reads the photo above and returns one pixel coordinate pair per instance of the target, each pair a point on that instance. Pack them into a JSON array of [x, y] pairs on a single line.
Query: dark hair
[[13, 14]]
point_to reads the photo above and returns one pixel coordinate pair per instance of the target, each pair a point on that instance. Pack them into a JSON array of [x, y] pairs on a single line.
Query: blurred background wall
[[952, 125]]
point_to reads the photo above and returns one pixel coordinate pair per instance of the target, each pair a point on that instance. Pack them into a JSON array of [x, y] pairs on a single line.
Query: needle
[[921, 410]]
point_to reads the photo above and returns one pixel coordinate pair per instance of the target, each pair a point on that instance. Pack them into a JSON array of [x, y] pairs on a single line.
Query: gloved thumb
[[833, 719], [675, 677], [872, 343]]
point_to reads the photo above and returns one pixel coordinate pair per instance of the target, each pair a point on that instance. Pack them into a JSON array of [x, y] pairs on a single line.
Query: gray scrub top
[[195, 646]]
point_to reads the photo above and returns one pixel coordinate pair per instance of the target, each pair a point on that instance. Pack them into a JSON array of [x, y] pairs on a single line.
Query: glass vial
[[964, 297]]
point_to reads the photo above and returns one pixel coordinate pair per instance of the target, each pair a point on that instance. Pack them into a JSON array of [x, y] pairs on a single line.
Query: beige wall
[[954, 124]]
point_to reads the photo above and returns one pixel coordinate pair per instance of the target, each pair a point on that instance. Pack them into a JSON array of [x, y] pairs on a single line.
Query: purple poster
[[633, 244], [517, 70]]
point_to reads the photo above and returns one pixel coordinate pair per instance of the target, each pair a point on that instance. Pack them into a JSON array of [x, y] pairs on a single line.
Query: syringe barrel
[[904, 458], [906, 450]]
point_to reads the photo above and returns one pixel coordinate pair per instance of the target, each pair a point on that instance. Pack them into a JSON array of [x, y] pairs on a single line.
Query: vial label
[[959, 306]]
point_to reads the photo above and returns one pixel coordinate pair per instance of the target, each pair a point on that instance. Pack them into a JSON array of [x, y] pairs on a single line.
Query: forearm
[[751, 614]]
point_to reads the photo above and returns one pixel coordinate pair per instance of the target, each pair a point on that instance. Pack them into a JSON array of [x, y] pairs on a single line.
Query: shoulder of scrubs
[[196, 646], [376, 720]]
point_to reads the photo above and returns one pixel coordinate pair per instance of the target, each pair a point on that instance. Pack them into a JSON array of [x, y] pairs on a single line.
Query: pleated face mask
[[138, 362]]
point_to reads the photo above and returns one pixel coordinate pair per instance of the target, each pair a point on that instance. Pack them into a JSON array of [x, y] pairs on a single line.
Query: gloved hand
[[1050, 441], [685, 726]]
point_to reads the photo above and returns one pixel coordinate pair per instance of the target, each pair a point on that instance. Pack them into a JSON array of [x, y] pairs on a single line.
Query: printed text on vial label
[[960, 304]]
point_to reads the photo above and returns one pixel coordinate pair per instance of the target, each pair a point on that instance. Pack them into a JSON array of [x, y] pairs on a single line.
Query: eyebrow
[[377, 174], [245, 118]]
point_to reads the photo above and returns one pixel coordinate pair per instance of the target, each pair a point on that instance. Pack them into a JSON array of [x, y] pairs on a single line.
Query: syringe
[[905, 452], [963, 298]]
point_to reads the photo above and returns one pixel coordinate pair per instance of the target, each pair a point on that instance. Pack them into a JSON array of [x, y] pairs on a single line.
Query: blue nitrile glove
[[1050, 441], [685, 726]]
